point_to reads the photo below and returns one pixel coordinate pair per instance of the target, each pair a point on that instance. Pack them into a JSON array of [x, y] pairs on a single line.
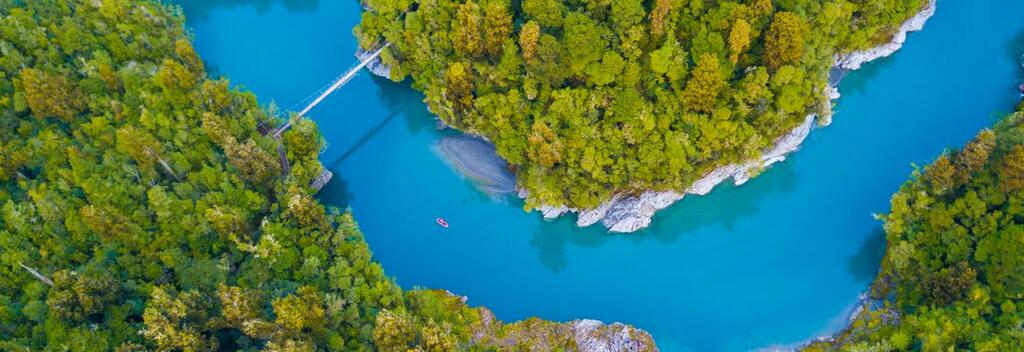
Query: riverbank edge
[[587, 334], [627, 213]]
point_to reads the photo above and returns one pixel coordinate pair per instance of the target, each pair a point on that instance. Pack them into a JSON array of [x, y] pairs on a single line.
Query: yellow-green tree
[[528, 37], [784, 44], [50, 95], [497, 26], [468, 26], [703, 87], [739, 39]]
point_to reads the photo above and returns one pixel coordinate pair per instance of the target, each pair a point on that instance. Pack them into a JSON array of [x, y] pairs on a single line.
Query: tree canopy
[[592, 98], [953, 272], [141, 208]]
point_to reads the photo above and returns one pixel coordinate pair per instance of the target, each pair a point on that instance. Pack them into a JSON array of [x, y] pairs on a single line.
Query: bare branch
[[163, 163], [35, 273]]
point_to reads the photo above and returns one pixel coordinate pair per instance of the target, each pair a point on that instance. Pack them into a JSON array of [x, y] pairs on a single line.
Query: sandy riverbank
[[478, 160]]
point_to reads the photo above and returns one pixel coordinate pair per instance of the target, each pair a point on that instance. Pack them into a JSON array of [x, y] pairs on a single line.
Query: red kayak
[[440, 221]]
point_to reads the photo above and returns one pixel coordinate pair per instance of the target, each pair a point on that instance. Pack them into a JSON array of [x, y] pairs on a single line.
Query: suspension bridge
[[331, 88], [320, 96]]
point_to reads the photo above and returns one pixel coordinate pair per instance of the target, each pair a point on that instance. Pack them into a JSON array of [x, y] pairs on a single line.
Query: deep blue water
[[775, 262]]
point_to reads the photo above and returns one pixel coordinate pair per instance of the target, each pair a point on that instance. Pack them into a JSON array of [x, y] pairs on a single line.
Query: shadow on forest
[[725, 205], [200, 9]]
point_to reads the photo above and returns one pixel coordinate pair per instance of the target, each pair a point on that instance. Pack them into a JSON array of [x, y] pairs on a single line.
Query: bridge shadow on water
[[399, 100], [366, 137], [200, 9], [725, 205], [336, 192]]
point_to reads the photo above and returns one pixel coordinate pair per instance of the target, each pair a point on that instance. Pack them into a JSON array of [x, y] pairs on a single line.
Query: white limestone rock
[[854, 60], [595, 336], [833, 93], [629, 214], [376, 66], [319, 182], [589, 217], [705, 184], [551, 213]]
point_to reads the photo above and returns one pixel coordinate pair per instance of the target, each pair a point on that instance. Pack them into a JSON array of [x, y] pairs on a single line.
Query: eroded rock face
[[628, 214], [376, 66], [595, 336], [582, 335], [319, 182], [854, 60]]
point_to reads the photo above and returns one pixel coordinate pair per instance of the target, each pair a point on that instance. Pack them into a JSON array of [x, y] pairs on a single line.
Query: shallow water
[[775, 262], [478, 160]]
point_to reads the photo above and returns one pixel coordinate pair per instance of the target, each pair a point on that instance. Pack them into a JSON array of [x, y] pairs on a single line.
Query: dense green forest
[[590, 98], [953, 272], [142, 209]]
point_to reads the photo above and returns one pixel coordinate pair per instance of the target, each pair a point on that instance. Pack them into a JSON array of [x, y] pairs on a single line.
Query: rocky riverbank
[[854, 60], [582, 335], [629, 213], [376, 66], [626, 213], [534, 334]]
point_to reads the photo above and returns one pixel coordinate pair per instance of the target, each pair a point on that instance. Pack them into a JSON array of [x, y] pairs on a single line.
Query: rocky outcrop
[[488, 333], [376, 66], [582, 335], [595, 336], [320, 181], [854, 60], [630, 213]]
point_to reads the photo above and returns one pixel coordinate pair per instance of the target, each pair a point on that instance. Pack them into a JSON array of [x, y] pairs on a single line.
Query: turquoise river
[[773, 263]]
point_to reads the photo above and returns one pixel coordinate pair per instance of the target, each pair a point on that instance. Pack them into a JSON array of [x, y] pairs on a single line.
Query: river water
[[772, 263]]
